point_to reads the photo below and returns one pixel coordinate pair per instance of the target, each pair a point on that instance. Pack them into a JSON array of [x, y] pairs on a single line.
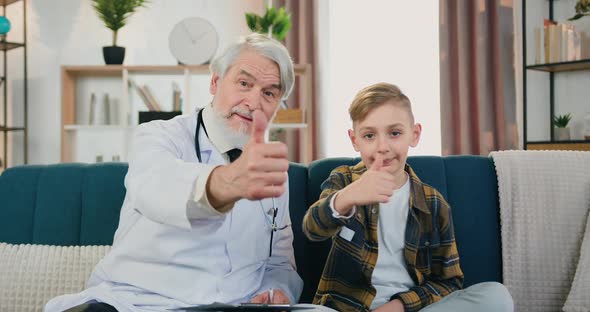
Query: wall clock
[[193, 41]]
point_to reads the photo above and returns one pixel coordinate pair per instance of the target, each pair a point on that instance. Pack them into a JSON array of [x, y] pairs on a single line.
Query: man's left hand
[[278, 297]]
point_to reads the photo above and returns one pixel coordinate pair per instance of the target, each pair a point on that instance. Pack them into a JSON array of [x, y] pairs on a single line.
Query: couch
[[78, 205]]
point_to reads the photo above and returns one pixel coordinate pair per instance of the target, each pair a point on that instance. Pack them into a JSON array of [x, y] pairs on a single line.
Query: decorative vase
[[113, 55], [4, 26], [562, 134]]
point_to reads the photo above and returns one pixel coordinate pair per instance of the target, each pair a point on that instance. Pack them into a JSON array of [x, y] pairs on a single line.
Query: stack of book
[[145, 93], [556, 43], [289, 116]]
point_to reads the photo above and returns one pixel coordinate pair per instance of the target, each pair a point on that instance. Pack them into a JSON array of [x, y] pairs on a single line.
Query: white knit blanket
[[544, 203], [30, 275]]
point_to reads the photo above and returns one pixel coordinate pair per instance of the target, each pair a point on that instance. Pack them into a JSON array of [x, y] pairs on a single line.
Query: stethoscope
[[199, 124]]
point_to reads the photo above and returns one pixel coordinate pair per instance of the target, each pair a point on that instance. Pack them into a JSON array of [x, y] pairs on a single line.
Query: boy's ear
[[416, 132], [353, 139], [214, 82]]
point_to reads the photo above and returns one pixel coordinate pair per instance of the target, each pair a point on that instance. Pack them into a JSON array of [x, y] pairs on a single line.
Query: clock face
[[193, 41]]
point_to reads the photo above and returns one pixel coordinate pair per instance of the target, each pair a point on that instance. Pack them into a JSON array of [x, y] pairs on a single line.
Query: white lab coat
[[161, 259]]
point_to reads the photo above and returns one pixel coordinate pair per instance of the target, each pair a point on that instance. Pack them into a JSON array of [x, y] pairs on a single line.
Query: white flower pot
[[562, 134]]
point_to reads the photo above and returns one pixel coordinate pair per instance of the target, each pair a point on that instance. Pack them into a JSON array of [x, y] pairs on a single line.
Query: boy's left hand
[[278, 297], [392, 306]]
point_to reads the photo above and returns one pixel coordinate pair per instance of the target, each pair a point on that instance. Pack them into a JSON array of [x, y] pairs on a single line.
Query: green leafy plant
[[114, 13], [582, 9], [275, 23], [561, 121]]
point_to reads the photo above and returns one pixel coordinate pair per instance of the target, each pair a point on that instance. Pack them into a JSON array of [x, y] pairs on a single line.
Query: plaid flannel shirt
[[430, 250]]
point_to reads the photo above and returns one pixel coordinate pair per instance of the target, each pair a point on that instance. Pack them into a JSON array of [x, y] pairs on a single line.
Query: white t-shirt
[[391, 275]]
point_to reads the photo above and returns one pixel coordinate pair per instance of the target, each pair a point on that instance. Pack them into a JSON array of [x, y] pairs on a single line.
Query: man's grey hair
[[265, 46]]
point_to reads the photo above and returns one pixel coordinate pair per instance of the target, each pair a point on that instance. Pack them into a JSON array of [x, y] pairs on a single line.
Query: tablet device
[[252, 307]]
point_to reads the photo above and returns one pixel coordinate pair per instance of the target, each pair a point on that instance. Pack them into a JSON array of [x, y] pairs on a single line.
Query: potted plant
[[114, 14], [561, 130], [274, 23], [582, 9]]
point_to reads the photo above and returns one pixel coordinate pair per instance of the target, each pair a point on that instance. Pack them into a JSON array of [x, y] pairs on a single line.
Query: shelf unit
[[552, 69], [71, 126], [6, 126]]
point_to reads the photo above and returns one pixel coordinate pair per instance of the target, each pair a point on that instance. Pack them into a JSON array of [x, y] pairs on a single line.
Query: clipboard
[[251, 307]]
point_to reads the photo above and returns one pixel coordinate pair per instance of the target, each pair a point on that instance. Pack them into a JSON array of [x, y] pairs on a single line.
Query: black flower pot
[[113, 54]]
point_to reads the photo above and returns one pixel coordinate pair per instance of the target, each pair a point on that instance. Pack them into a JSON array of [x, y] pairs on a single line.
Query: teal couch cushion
[[64, 204], [297, 208]]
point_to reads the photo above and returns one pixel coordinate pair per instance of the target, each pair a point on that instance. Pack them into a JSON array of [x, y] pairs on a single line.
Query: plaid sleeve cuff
[[336, 214], [410, 299]]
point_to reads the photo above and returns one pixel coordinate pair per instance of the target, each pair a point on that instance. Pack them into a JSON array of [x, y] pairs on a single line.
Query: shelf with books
[[100, 98], [149, 89], [555, 72]]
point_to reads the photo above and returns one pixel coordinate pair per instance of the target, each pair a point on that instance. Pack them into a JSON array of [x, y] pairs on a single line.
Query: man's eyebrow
[[273, 86], [243, 72]]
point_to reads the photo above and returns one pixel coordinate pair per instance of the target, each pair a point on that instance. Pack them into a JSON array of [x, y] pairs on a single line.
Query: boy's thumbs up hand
[[377, 163], [375, 186]]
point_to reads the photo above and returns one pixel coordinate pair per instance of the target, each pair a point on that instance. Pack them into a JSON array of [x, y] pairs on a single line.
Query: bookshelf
[[548, 86], [110, 141], [10, 129]]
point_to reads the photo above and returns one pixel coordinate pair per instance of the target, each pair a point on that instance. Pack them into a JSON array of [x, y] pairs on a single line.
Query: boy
[[393, 242]]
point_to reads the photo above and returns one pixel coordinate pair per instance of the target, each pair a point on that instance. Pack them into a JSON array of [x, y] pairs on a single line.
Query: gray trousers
[[482, 297]]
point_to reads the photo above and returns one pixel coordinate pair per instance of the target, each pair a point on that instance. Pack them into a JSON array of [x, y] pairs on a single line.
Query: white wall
[[68, 32], [372, 41]]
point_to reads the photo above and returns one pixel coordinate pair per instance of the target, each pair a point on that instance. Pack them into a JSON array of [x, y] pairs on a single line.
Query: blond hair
[[376, 95]]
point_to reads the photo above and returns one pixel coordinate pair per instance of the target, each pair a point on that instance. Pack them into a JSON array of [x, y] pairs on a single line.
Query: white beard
[[237, 138]]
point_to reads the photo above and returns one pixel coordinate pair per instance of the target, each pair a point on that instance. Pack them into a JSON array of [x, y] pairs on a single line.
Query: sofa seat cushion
[[33, 274]]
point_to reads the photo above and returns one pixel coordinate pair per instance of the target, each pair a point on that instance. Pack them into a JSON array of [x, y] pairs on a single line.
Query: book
[[176, 97], [584, 46], [151, 98], [288, 116], [577, 45], [539, 57], [547, 26], [570, 49], [141, 92]]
